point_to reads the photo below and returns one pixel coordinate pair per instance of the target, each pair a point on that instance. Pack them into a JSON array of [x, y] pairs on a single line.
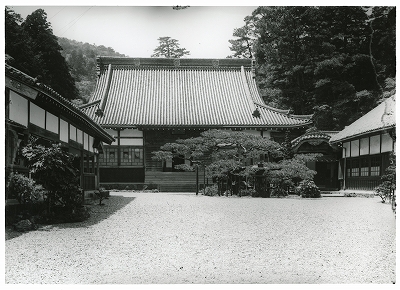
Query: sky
[[134, 30]]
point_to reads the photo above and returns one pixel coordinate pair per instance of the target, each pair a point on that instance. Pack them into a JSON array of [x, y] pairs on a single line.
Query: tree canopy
[[81, 58], [226, 155], [330, 61], [169, 48], [33, 48]]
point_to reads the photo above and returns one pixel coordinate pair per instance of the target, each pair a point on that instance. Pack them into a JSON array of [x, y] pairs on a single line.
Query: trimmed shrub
[[30, 196], [24, 189], [24, 226], [387, 189], [308, 189], [210, 190], [279, 192], [248, 192]]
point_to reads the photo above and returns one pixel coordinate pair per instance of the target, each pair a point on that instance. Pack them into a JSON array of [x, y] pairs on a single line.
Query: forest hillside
[[81, 58]]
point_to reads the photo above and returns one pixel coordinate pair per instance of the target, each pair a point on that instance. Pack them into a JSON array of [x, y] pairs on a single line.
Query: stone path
[[157, 238]]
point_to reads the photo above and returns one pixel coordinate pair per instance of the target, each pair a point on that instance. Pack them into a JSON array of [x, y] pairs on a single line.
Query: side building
[[147, 102], [35, 112], [366, 147]]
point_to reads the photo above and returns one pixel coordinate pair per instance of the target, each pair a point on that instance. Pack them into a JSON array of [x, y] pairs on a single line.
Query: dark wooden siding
[[89, 182], [122, 175], [368, 182], [363, 183], [175, 181]]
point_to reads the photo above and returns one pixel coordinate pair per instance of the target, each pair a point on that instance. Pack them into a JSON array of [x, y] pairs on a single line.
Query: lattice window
[[88, 163], [375, 166], [355, 169], [364, 167], [131, 156], [109, 156]]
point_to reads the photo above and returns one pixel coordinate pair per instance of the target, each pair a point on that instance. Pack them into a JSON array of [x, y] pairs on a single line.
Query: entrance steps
[[348, 193]]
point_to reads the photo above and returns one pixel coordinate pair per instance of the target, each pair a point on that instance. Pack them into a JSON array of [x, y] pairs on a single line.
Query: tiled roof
[[313, 135], [155, 92], [57, 100], [380, 118]]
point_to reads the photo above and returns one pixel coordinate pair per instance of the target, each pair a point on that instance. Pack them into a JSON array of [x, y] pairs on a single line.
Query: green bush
[[248, 192], [55, 170], [279, 192], [24, 189], [210, 190], [387, 189], [308, 189]]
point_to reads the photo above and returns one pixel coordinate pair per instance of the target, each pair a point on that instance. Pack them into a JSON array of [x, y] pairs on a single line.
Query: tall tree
[[48, 61], [33, 49], [382, 25], [16, 47], [169, 48], [242, 46], [320, 59]]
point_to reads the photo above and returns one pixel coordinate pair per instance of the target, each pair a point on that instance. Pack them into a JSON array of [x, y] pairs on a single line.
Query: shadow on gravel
[[97, 213]]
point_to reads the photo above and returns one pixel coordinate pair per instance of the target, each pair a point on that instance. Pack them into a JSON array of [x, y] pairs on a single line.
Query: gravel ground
[[162, 238]]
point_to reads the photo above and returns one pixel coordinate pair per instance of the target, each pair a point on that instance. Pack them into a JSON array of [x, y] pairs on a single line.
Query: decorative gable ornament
[[256, 113], [99, 112]]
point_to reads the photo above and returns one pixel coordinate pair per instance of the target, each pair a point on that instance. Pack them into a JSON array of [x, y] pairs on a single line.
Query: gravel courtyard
[[183, 238]]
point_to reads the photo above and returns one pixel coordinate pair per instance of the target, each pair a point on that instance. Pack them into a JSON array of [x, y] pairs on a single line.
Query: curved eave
[[303, 139], [355, 136], [305, 117], [281, 111]]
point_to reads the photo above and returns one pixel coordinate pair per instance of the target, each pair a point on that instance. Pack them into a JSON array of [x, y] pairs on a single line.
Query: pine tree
[[169, 48], [243, 45], [48, 61]]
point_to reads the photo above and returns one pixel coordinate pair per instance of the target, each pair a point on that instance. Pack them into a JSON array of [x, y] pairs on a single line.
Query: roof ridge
[[118, 66], [175, 62]]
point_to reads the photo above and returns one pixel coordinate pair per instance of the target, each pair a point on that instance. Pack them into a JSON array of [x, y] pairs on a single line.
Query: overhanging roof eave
[[348, 138]]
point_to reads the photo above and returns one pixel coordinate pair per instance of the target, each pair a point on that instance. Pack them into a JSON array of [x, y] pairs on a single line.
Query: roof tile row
[[208, 96], [381, 117]]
